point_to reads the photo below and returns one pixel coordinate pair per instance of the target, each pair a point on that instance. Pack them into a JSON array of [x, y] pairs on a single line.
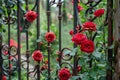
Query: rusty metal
[[60, 18], [18, 38], [75, 9]]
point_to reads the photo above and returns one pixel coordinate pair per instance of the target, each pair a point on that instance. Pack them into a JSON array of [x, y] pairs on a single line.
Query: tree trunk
[[117, 40]]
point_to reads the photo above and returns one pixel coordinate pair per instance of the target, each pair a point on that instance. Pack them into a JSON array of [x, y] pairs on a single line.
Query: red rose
[[87, 46], [71, 32], [31, 16], [13, 43], [64, 74], [99, 12], [37, 55], [78, 38], [50, 36], [80, 8], [4, 78], [89, 26]]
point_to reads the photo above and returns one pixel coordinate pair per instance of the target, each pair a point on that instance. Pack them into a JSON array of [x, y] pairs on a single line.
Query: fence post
[[48, 30], [18, 38], [110, 37], [38, 34], [75, 31]]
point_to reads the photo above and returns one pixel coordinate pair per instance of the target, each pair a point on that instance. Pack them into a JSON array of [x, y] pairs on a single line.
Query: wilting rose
[[64, 74], [87, 46], [79, 68], [89, 26], [99, 12], [70, 16], [31, 16], [44, 67], [50, 36], [78, 38], [37, 55], [46, 62]]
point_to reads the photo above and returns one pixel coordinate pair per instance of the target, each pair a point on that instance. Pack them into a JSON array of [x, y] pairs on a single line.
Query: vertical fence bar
[[64, 11], [18, 37], [27, 44], [1, 59], [48, 26], [110, 36], [38, 34], [60, 18], [75, 31], [9, 12]]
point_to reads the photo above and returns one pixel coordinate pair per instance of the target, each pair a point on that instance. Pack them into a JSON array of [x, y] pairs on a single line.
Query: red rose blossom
[[78, 38], [89, 26], [37, 55], [13, 43], [99, 12], [31, 16], [80, 8], [87, 46], [71, 32], [64, 74], [50, 36], [4, 78]]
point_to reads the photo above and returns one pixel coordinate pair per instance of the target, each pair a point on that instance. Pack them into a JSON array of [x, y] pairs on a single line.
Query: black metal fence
[[14, 54]]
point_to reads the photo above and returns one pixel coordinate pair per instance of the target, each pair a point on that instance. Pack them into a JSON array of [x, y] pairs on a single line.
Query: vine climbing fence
[[20, 14]]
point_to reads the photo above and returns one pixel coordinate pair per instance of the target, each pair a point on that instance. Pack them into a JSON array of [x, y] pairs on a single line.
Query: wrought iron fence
[[16, 16]]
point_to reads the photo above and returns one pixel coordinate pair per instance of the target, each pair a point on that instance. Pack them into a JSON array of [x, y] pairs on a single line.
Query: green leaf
[[74, 51], [111, 47], [66, 52], [97, 54], [81, 62], [75, 77]]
